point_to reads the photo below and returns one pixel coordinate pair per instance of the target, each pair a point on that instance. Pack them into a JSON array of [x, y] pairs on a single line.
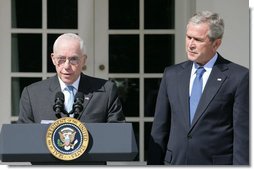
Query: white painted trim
[[5, 48]]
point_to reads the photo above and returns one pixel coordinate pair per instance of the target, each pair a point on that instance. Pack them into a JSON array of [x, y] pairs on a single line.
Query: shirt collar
[[209, 65]]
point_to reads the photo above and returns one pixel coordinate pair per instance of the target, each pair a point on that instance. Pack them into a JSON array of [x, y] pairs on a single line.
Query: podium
[[107, 142]]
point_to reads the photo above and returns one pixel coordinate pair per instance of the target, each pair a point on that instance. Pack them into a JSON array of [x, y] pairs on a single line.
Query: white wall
[[252, 62], [235, 45], [5, 42]]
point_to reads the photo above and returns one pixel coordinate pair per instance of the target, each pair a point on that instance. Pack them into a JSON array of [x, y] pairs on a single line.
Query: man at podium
[[70, 92], [61, 101]]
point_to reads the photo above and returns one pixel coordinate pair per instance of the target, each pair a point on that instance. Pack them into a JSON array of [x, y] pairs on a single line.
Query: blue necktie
[[69, 98], [196, 92]]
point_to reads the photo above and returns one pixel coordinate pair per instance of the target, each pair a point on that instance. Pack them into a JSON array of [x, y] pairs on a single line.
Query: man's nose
[[191, 43], [67, 63]]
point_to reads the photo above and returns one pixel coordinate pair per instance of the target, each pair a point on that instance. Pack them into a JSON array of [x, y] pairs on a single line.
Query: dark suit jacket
[[219, 133], [101, 101]]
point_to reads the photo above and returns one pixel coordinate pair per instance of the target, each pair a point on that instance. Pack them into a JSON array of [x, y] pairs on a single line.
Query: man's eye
[[61, 58], [74, 58]]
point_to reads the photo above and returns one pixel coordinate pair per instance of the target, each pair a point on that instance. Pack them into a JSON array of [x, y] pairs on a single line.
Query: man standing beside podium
[[101, 102], [202, 110]]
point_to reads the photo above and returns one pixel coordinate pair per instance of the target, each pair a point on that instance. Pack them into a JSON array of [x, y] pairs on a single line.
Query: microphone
[[78, 104], [59, 104]]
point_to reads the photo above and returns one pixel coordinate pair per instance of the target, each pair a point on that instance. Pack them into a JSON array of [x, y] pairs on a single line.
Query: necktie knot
[[200, 71], [70, 88]]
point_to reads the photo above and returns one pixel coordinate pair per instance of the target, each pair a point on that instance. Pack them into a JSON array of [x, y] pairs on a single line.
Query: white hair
[[73, 37]]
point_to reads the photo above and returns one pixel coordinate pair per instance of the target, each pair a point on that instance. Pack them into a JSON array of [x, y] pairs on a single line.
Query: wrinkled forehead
[[68, 48], [65, 39]]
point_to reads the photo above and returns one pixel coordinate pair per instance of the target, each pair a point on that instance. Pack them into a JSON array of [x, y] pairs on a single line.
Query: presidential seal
[[67, 138]]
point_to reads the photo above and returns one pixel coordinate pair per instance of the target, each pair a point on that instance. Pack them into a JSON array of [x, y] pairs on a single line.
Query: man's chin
[[67, 80], [191, 58]]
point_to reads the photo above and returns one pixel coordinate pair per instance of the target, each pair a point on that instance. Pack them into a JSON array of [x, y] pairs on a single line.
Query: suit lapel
[[84, 87], [54, 87], [214, 83], [183, 90]]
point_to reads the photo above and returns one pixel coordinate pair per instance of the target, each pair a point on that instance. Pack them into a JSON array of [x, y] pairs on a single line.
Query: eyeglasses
[[72, 60]]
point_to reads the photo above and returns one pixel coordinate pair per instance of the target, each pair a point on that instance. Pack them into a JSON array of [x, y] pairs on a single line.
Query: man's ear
[[52, 58], [216, 44], [85, 57], [84, 62]]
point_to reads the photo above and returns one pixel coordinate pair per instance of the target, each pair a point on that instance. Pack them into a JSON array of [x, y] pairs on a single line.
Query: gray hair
[[215, 22], [71, 36]]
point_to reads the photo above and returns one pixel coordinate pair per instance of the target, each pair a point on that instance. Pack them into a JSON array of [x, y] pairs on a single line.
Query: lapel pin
[[86, 98], [219, 79]]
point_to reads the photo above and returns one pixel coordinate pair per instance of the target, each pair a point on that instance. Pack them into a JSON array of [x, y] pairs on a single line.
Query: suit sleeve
[[25, 110], [160, 128], [241, 123], [115, 110]]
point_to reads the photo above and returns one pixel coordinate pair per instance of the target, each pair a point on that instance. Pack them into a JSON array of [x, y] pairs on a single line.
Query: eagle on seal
[[67, 136]]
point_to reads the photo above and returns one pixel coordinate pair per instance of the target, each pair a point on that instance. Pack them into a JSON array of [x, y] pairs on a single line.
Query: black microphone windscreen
[[59, 104], [80, 96], [60, 95]]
